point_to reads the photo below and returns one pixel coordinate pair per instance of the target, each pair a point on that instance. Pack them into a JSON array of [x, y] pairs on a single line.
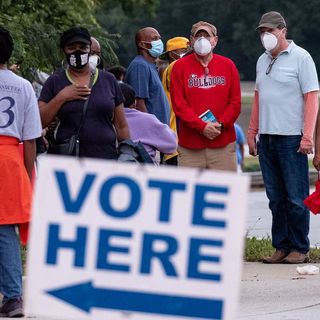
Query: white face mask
[[178, 55], [94, 61], [202, 46], [269, 40]]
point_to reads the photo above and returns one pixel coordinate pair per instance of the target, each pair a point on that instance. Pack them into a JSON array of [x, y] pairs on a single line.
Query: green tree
[[236, 21], [37, 25]]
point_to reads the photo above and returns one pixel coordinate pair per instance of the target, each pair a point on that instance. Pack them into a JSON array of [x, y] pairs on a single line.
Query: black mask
[[77, 59]]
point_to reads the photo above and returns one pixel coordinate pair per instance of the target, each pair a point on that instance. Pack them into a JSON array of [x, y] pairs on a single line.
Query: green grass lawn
[[251, 164], [256, 249]]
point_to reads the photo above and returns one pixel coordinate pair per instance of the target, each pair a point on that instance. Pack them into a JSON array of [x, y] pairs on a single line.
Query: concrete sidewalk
[[278, 292], [274, 292]]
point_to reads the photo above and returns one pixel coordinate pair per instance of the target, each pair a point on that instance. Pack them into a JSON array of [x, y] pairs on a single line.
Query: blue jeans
[[10, 263], [285, 174]]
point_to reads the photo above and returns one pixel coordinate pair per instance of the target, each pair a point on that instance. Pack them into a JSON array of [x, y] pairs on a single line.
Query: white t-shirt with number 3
[[19, 112]]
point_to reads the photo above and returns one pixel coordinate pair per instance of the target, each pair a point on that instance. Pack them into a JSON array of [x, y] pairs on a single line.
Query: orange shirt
[[166, 86], [15, 186]]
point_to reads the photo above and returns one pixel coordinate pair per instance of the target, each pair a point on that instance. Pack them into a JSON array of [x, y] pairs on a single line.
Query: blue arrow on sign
[[85, 296]]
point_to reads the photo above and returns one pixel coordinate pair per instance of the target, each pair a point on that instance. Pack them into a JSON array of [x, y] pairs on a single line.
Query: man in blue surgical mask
[[142, 75]]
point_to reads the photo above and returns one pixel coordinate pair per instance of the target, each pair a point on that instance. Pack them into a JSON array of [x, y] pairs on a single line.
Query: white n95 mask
[[202, 46], [269, 41], [94, 61]]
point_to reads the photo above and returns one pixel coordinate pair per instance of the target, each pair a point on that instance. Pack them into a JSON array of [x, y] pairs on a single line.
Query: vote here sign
[[121, 241]]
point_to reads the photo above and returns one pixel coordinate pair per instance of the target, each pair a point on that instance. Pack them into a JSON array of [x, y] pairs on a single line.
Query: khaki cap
[[206, 26]]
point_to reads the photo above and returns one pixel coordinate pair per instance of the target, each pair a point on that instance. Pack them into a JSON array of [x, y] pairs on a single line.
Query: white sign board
[[120, 241]]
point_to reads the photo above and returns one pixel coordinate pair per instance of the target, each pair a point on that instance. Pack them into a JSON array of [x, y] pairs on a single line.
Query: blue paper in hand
[[208, 116]]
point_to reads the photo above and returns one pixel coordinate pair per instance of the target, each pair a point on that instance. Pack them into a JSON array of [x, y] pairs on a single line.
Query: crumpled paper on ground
[[309, 269]]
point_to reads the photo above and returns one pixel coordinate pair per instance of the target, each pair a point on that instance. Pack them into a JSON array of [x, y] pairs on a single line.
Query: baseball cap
[[206, 26], [75, 34], [175, 44], [272, 19]]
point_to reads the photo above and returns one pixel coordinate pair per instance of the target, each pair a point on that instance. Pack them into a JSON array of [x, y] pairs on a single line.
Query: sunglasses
[[273, 60]]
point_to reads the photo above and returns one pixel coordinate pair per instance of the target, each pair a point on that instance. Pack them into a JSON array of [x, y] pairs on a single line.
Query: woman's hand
[[69, 93], [75, 92]]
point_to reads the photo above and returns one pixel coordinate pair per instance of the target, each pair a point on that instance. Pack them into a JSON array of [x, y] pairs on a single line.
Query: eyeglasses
[[273, 60]]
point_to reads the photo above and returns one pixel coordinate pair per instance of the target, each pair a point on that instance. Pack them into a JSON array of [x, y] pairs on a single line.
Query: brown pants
[[209, 158]]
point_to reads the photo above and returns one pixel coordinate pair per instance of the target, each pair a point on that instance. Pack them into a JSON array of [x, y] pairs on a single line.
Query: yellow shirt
[[166, 85]]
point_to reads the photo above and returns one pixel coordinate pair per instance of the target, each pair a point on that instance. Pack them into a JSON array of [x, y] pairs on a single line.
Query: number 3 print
[[8, 111]]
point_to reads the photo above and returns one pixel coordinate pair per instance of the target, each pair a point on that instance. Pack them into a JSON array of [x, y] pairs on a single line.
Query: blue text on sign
[[149, 249]]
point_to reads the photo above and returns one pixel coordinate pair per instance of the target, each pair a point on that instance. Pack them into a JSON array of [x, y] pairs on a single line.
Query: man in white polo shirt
[[284, 113]]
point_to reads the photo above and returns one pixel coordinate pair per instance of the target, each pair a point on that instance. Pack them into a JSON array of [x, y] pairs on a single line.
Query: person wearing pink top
[[316, 158]]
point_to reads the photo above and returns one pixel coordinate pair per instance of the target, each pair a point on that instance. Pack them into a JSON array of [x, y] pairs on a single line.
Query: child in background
[[146, 128]]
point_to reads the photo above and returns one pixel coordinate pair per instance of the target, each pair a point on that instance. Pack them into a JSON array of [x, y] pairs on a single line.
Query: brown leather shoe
[[296, 257], [277, 257]]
